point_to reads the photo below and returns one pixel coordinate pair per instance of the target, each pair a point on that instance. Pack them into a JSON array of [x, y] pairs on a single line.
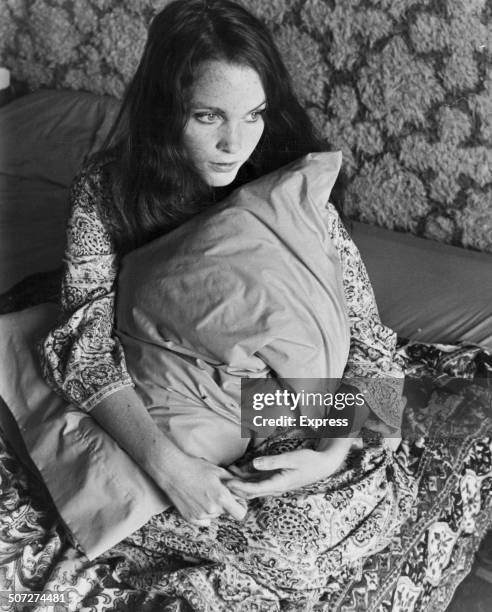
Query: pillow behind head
[[47, 135], [45, 138]]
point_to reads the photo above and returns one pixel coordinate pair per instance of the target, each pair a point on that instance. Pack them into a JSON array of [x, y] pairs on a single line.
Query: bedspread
[[442, 505]]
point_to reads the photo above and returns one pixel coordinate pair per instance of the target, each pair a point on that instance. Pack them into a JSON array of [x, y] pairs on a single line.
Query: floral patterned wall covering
[[403, 87]]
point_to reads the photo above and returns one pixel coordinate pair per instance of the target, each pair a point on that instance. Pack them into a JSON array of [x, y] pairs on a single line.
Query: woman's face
[[225, 120]]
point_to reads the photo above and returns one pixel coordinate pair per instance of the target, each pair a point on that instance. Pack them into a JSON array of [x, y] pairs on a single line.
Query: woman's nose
[[230, 138]]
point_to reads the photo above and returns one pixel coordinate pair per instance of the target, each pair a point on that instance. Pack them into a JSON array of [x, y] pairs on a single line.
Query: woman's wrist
[[162, 460]]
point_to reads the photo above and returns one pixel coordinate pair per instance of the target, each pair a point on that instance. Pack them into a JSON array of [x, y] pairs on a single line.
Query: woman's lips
[[223, 167]]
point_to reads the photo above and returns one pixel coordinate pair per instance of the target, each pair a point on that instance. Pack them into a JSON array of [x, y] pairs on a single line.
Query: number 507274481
[[31, 597]]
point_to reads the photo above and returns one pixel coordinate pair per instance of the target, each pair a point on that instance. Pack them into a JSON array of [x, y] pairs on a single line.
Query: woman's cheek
[[257, 136], [198, 141]]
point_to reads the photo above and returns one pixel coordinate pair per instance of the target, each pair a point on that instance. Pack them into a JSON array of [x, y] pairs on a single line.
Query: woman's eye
[[206, 117], [255, 115], [210, 118]]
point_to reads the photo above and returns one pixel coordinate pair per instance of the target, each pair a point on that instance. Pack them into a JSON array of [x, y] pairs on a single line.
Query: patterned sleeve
[[81, 357], [373, 365]]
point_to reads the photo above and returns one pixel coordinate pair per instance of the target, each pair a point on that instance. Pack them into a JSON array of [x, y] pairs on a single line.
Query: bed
[[438, 298]]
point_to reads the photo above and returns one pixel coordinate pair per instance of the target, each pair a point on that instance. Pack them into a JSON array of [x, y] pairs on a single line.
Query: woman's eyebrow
[[217, 109]]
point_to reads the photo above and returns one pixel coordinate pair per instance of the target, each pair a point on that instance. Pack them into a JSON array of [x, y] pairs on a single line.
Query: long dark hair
[[156, 187]]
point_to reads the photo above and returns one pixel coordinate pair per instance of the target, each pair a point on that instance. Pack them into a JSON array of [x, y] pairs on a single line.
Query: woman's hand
[[197, 490], [279, 473]]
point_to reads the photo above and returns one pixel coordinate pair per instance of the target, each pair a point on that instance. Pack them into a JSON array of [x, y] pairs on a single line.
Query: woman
[[209, 108]]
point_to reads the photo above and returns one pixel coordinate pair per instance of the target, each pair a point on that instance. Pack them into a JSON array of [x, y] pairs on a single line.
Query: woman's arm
[[81, 357], [195, 487]]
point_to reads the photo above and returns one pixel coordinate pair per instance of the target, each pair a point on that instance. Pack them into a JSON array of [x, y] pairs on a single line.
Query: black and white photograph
[[245, 305]]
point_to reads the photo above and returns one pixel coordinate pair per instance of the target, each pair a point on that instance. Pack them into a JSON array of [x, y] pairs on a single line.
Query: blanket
[[441, 478]]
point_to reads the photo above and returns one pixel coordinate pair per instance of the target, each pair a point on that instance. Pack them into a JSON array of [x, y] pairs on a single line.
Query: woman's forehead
[[219, 84]]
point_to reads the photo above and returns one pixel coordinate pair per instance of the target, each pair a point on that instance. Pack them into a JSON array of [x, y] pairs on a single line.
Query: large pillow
[[252, 285], [45, 138], [33, 216], [47, 135]]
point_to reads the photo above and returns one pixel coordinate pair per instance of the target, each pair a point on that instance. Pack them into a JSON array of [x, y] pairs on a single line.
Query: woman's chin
[[221, 179]]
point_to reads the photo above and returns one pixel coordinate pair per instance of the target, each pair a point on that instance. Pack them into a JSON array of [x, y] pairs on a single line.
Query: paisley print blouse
[[83, 359]]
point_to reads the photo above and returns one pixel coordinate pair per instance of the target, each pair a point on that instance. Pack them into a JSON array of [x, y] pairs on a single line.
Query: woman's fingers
[[275, 462], [244, 473], [239, 471], [271, 486], [205, 522], [233, 506], [223, 474], [236, 508], [214, 499]]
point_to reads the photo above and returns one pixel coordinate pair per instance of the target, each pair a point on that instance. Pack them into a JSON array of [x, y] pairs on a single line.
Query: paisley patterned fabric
[[81, 357], [85, 361], [391, 531]]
